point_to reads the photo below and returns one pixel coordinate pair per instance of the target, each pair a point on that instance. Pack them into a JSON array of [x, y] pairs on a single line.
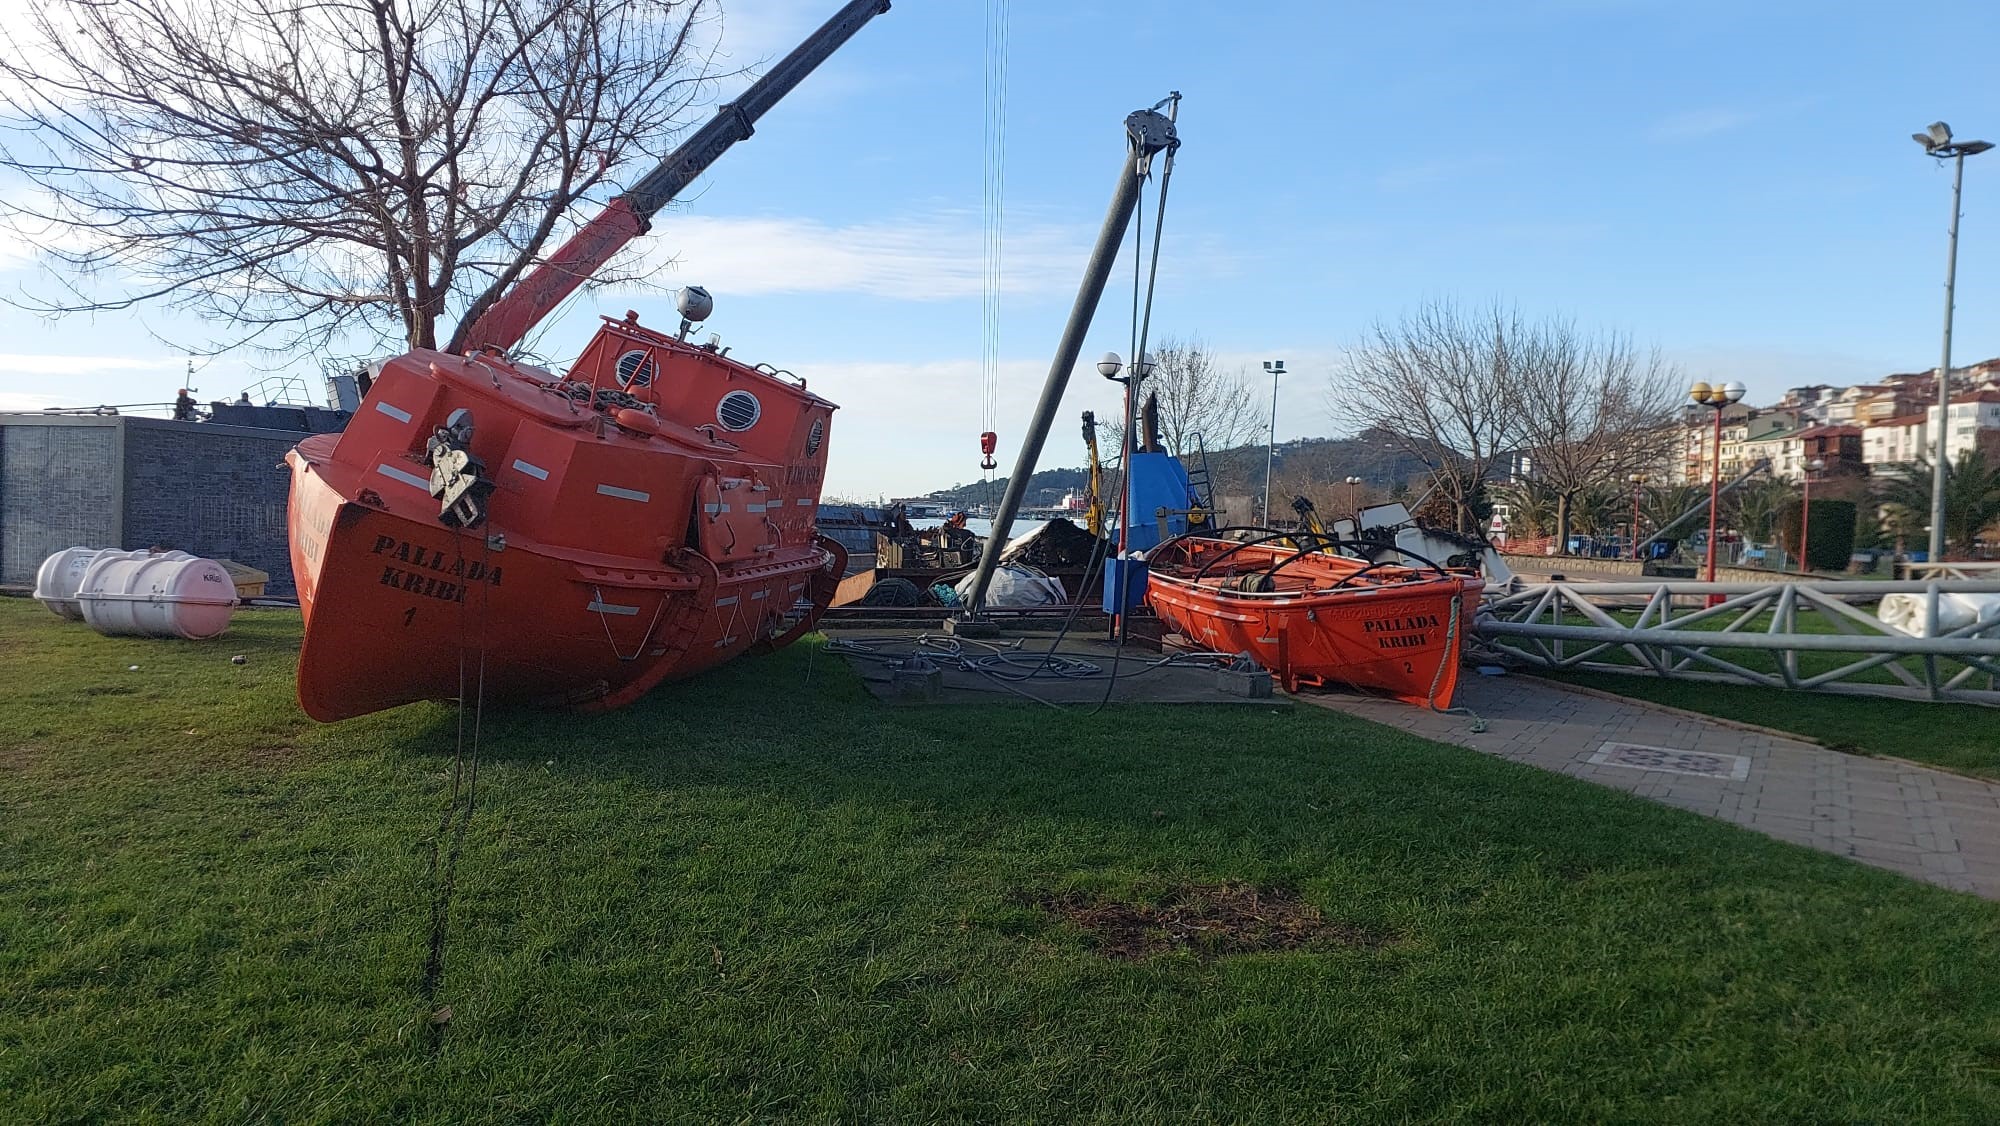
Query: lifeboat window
[[738, 410], [815, 436], [635, 368]]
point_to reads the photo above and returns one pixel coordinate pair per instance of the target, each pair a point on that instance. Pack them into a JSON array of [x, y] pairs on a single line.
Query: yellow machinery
[[1309, 523], [1094, 497]]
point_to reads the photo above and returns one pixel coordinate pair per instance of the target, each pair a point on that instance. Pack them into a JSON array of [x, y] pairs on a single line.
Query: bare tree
[[1435, 385], [1589, 412], [305, 170], [1198, 398]]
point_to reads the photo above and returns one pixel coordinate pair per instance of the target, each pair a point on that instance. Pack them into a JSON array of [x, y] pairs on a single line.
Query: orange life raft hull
[[650, 516], [1314, 618]]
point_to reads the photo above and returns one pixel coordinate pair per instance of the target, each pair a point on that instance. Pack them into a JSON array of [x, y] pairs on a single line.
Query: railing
[[1950, 570], [1749, 632]]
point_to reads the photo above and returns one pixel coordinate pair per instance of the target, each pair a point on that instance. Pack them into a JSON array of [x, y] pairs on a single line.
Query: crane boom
[[510, 318]]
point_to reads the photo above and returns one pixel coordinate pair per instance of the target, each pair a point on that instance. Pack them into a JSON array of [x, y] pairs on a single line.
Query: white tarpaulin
[[1016, 587], [1907, 612]]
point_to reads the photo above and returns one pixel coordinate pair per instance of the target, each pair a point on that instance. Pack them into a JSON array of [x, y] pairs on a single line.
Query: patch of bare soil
[[1209, 921]]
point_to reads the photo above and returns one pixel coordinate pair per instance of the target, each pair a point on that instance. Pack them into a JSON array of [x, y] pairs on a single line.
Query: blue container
[[1127, 576]]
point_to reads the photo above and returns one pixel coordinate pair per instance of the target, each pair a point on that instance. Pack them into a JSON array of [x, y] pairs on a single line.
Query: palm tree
[[1531, 509], [1753, 507], [1971, 499], [1599, 509], [1658, 506]]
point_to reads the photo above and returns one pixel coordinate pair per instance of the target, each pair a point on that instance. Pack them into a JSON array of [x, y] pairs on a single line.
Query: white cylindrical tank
[[171, 594], [60, 575]]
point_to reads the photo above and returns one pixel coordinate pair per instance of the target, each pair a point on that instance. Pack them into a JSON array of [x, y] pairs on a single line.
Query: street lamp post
[[1276, 368], [1109, 367], [1638, 482], [1805, 516], [1937, 142], [1715, 398]]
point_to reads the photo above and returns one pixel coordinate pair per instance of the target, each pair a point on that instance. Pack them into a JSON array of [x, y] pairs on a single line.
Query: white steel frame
[[1568, 625]]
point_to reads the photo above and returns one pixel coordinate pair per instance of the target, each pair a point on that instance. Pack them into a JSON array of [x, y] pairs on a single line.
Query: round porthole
[[815, 436], [635, 368], [738, 410]]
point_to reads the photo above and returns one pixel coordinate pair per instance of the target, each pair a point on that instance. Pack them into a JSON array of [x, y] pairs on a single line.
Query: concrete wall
[[127, 482], [59, 487], [217, 491]]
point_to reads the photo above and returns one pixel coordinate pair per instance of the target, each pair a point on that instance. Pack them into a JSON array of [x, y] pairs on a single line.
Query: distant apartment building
[[1698, 445], [1838, 448], [1893, 440], [1973, 422]]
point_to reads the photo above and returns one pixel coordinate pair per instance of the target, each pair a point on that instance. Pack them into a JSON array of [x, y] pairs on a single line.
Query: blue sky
[[1734, 182]]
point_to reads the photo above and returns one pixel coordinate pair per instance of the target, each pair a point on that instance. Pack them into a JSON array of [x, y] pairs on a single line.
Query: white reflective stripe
[[535, 471], [803, 500], [624, 494], [725, 643], [712, 509], [753, 507], [795, 588], [612, 608], [395, 412], [756, 594], [1267, 639], [395, 474], [730, 601]]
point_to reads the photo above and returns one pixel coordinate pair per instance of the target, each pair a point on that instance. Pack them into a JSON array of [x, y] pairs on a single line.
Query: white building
[[1894, 440]]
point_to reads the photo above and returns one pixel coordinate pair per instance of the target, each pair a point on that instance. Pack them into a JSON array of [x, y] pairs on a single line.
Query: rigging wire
[[456, 817], [994, 192]]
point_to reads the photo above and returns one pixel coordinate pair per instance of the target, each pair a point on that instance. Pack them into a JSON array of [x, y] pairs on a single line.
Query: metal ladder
[[1197, 467]]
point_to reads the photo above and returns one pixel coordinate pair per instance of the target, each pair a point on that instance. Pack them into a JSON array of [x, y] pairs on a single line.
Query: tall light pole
[[1109, 367], [1938, 143], [1715, 398], [1805, 516], [1638, 482], [1276, 368]]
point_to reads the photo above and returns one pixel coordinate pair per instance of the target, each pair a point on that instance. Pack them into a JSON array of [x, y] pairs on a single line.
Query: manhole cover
[[1641, 757]]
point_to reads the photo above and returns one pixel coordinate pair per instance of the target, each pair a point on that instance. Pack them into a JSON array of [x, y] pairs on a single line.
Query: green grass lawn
[[763, 895]]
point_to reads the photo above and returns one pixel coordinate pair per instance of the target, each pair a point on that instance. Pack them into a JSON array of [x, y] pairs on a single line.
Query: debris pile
[[1208, 921]]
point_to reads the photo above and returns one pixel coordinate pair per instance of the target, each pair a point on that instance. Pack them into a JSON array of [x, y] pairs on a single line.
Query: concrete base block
[[917, 680], [972, 627], [1252, 683]]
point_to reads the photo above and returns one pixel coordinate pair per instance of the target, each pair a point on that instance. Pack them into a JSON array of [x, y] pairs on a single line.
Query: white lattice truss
[[1679, 634]]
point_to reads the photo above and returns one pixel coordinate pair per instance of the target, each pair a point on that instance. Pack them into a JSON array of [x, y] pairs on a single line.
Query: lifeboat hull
[[1397, 631], [612, 557]]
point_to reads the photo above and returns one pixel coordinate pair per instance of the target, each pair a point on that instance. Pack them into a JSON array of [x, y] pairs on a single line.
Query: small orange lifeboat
[[1318, 618]]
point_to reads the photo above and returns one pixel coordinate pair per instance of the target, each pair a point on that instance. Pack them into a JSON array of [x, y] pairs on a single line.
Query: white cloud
[[47, 366], [932, 257], [27, 401]]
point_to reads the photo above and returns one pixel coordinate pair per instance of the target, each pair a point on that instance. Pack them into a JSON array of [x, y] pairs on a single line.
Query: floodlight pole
[[1938, 142], [1276, 368], [1942, 464]]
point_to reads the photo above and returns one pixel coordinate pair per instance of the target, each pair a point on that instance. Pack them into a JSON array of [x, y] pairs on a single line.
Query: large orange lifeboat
[[1316, 617], [646, 517]]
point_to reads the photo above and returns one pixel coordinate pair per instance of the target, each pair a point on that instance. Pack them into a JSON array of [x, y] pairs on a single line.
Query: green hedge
[[1832, 533]]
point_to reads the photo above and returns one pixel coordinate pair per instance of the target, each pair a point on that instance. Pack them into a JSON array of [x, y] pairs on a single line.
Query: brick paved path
[[1924, 823]]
